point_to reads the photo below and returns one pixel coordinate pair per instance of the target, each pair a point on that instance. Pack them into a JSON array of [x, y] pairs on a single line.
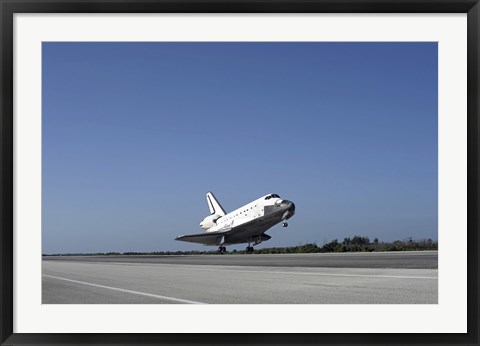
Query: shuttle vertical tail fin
[[214, 206]]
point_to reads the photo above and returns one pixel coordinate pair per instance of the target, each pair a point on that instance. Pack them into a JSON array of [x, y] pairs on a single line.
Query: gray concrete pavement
[[417, 259], [133, 282]]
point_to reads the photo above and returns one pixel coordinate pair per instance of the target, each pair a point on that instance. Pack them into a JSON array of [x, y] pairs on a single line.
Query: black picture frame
[[9, 7]]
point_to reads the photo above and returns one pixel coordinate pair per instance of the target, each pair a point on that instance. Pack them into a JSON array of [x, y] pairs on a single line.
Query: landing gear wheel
[[285, 224], [222, 249], [249, 249]]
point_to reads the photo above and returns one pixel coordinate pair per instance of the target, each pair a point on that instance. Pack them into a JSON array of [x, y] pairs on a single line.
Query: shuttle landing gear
[[285, 224], [249, 248], [222, 249]]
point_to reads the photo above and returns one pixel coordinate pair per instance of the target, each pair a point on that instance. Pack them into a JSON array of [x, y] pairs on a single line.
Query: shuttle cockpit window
[[272, 196]]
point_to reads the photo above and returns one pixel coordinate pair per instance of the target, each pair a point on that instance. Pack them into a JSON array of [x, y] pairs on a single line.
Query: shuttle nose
[[289, 205], [289, 210]]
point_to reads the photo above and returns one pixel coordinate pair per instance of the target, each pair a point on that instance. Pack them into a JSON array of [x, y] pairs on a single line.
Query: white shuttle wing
[[215, 238], [206, 238]]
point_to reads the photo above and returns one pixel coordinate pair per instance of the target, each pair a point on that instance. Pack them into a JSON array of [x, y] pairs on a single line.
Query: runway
[[411, 260], [355, 278]]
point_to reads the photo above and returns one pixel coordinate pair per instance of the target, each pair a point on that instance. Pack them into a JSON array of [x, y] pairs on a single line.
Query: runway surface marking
[[299, 273], [126, 291]]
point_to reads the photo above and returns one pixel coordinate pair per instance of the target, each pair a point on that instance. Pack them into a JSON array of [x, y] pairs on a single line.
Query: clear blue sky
[[135, 134]]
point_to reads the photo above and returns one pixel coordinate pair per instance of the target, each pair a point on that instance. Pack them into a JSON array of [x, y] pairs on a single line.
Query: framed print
[[239, 172]]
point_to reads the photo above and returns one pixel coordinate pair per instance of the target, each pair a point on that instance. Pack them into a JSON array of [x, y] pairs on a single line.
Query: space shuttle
[[246, 224]]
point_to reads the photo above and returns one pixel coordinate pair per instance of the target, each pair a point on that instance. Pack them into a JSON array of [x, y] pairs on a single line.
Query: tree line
[[357, 244], [353, 244]]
